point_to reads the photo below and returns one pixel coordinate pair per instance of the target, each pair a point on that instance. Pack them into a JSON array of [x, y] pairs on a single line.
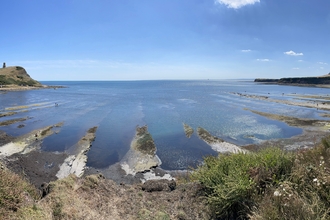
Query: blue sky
[[166, 39]]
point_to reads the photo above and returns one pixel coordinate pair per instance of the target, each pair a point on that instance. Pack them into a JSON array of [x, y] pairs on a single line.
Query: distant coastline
[[12, 88], [322, 81]]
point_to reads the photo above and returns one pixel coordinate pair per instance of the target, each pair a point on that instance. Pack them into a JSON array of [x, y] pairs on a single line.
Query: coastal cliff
[[16, 75], [319, 80]]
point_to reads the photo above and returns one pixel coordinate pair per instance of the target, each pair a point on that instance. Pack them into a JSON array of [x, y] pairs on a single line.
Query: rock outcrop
[[75, 163]]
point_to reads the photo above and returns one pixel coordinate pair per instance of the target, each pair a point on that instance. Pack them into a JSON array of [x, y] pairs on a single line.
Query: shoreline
[[16, 88]]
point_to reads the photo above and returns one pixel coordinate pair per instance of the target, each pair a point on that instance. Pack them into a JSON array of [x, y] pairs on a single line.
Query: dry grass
[[94, 197], [16, 194]]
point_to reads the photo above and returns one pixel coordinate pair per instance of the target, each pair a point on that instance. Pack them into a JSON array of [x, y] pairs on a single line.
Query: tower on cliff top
[[4, 65]]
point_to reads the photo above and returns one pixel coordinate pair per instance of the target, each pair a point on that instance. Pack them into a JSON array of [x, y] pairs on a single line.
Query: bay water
[[117, 107]]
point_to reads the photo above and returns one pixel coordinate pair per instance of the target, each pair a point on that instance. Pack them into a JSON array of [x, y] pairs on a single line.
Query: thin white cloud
[[292, 53], [322, 63], [300, 61], [295, 68], [246, 51], [237, 3], [64, 64], [263, 60]]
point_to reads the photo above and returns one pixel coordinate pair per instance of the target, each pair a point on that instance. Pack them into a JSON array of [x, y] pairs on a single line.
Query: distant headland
[[14, 78], [317, 80], [16, 75]]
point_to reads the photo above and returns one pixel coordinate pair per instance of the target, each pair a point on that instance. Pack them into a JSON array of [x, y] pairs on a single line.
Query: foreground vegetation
[[268, 184]]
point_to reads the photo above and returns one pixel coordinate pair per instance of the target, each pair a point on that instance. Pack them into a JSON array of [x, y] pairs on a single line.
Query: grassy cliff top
[[16, 75]]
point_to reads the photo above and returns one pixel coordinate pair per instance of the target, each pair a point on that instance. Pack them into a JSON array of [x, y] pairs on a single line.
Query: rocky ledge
[[76, 161], [217, 144]]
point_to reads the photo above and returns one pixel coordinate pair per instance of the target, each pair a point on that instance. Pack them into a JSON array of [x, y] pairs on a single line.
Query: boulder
[[159, 185]]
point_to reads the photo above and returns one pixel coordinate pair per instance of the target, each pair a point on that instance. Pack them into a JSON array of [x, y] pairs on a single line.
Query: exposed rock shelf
[[217, 144], [75, 163]]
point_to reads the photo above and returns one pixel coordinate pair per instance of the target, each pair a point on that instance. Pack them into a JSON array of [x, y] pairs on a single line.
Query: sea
[[118, 107]]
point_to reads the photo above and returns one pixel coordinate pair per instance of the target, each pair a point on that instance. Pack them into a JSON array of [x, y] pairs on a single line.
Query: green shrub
[[234, 182]]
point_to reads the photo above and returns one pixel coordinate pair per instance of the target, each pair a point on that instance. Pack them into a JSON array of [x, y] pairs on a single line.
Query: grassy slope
[[16, 75]]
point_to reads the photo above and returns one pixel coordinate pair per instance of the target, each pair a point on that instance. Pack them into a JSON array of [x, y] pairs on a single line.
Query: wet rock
[[13, 121]]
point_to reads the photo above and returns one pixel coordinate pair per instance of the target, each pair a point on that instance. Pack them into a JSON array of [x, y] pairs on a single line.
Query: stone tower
[[4, 65]]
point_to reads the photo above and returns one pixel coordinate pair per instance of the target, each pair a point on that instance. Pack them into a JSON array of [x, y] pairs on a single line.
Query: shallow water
[[118, 107]]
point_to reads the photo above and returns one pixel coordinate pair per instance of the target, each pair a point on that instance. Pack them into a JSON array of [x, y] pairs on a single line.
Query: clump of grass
[[162, 216], [144, 214], [91, 181], [57, 209], [233, 182]]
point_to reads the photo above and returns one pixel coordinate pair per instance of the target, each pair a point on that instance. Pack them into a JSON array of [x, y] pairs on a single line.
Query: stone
[[159, 185]]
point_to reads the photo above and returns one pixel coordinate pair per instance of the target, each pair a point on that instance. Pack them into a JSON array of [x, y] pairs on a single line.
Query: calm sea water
[[118, 107]]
